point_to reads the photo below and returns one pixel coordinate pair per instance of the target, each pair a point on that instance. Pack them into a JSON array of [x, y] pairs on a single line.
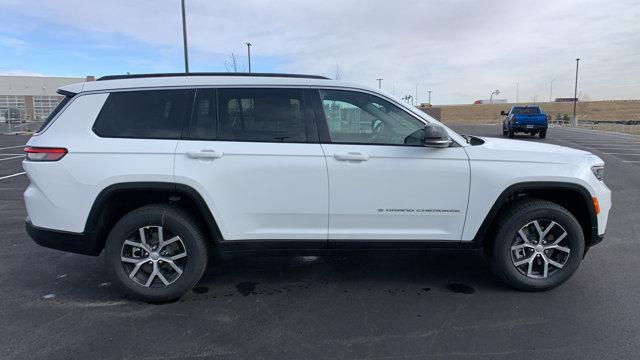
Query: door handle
[[204, 154], [351, 157]]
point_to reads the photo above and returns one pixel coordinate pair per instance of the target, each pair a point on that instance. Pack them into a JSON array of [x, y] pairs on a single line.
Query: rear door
[[383, 184], [253, 154]]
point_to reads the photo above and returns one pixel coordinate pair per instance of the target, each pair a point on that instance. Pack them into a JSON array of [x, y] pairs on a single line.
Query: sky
[[461, 50]]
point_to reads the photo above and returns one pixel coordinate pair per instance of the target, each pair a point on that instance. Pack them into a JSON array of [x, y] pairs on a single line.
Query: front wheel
[[543, 134], [538, 245], [156, 253]]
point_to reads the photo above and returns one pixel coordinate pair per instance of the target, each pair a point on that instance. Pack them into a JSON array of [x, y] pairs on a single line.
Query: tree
[[338, 75], [232, 62]]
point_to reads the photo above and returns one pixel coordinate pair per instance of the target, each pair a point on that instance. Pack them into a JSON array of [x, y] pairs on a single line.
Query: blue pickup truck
[[527, 119]]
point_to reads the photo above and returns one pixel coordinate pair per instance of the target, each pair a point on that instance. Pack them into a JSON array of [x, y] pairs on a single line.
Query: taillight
[[45, 153]]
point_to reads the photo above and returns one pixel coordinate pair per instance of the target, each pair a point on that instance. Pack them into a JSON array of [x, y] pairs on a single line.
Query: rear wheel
[[543, 134], [538, 245], [156, 253], [511, 133]]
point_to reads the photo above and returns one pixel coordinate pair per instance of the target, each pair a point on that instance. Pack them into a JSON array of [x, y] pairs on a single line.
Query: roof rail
[[136, 76]]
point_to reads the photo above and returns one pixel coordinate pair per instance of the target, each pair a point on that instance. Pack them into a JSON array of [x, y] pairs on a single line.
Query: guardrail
[[622, 126]]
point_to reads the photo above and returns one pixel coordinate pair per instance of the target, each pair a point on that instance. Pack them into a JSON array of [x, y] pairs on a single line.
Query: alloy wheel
[[150, 260], [540, 249]]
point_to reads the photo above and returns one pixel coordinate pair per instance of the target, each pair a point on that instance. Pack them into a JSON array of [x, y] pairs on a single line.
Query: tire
[[188, 253], [530, 276], [511, 133], [543, 134]]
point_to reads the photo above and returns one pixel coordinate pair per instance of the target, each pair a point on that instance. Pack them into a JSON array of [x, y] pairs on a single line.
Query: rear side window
[[269, 115], [152, 114], [204, 124], [55, 112]]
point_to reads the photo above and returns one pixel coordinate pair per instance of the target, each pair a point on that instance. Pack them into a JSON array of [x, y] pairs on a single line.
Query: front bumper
[[79, 243]]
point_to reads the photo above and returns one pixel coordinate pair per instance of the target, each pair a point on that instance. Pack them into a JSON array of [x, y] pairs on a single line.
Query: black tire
[[543, 134], [511, 133], [513, 218], [174, 221]]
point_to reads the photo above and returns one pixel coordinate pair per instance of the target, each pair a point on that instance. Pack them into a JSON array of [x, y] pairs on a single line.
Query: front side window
[[355, 117], [153, 114], [269, 115]]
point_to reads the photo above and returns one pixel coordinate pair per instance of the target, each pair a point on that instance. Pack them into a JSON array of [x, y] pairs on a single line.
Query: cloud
[[459, 49]]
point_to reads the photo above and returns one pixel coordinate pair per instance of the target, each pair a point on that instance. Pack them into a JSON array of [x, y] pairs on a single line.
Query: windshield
[[529, 110]]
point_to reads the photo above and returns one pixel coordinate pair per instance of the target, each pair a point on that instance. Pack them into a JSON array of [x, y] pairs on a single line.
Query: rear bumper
[[78, 243], [534, 127]]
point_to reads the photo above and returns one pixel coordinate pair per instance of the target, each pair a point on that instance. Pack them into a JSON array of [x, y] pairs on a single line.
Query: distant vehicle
[[490, 101], [527, 119]]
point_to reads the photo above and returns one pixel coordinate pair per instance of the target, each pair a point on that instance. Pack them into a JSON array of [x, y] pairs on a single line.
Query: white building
[[31, 98]]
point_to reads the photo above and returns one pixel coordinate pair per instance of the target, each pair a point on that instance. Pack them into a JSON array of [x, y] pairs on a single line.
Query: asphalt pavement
[[55, 305]]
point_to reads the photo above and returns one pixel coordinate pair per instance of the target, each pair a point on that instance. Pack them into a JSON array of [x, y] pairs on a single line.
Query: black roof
[[135, 76]]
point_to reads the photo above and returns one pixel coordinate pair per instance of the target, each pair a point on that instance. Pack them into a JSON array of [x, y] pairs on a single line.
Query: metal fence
[[10, 127]]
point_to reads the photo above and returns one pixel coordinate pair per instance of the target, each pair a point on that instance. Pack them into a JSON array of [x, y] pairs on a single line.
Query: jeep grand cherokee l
[[159, 171]]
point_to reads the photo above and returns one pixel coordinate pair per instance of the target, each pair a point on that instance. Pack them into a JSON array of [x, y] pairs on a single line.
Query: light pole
[[551, 90], [416, 95], [575, 91], [429, 91], [517, 93], [379, 82], [495, 92], [184, 39], [249, 55]]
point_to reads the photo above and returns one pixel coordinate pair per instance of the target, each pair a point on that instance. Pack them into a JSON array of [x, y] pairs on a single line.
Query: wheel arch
[[574, 197], [116, 200]]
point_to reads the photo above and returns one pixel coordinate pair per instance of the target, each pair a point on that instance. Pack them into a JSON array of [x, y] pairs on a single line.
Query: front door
[[383, 184]]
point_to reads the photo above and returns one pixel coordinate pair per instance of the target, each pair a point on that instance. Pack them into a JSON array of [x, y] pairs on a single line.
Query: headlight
[[598, 171]]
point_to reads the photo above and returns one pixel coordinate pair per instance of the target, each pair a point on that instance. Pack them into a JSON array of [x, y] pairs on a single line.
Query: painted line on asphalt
[[12, 147], [631, 161], [608, 153], [10, 154], [10, 176], [13, 157]]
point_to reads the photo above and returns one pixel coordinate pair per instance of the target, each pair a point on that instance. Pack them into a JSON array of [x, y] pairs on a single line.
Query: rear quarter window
[[55, 112], [149, 114]]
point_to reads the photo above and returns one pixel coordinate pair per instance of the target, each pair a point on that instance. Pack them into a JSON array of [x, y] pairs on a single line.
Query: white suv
[[161, 170]]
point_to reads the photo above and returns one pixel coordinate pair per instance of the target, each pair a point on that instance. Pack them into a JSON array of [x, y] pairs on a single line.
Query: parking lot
[[56, 305]]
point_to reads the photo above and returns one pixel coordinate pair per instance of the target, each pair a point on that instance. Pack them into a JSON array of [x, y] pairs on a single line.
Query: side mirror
[[504, 113], [435, 136]]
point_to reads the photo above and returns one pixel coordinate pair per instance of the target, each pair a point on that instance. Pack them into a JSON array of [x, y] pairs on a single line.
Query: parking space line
[[10, 176], [13, 157], [8, 154], [11, 147], [631, 161], [608, 153]]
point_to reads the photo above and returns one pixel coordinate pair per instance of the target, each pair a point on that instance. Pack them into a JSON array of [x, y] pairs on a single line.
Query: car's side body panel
[[499, 164]]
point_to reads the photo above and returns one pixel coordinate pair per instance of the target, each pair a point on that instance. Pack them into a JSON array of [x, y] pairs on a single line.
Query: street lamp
[[517, 93], [495, 92], [575, 91], [551, 90], [379, 82], [249, 55], [429, 91], [184, 39]]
